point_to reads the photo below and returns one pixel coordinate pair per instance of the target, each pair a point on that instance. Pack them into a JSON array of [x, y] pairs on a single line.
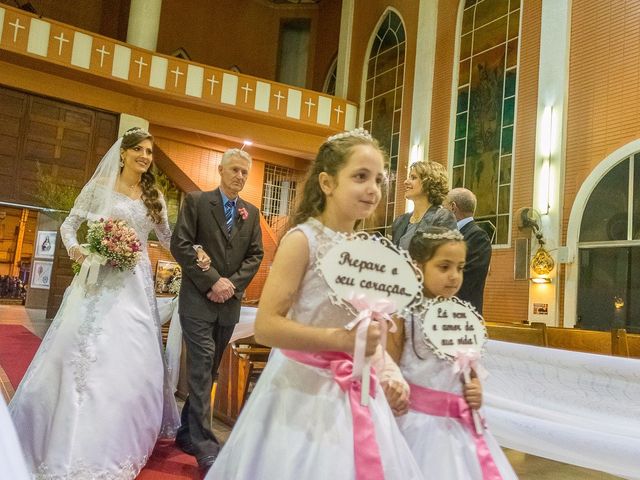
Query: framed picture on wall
[[165, 271], [45, 244], [41, 274]]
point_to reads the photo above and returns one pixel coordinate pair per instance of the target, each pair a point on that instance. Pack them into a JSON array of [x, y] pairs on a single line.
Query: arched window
[[330, 82], [383, 107], [485, 112], [609, 251]]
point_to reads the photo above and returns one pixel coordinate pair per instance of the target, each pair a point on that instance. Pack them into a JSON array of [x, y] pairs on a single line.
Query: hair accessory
[[358, 132], [134, 131], [448, 235]]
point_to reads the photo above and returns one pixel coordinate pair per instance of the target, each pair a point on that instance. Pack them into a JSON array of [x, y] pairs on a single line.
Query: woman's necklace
[[129, 189], [134, 187]]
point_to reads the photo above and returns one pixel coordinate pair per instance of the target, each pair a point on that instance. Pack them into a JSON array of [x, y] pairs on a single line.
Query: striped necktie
[[228, 214]]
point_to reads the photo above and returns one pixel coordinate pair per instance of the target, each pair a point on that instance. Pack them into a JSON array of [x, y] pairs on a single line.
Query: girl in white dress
[[299, 422], [95, 397], [443, 444]]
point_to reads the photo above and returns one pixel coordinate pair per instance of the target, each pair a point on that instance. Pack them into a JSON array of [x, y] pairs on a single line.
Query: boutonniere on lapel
[[243, 213]]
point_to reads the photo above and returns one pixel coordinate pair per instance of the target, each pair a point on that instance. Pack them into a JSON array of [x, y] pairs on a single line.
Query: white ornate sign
[[452, 326], [371, 268]]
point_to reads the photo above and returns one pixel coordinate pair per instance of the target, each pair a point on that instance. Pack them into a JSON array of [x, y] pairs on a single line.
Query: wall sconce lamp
[[542, 262], [246, 143], [540, 280]]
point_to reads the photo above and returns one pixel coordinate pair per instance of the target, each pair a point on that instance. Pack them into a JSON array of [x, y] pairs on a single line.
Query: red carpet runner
[[18, 346]]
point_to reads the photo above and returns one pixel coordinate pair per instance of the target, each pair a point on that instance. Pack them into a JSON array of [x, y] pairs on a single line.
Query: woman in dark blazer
[[426, 186]]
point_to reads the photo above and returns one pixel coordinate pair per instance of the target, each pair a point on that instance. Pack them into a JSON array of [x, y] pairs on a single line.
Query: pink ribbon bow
[[466, 360], [379, 310], [367, 311]]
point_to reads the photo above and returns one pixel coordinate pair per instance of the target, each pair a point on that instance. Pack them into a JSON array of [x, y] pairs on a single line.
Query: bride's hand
[[75, 253], [203, 261]]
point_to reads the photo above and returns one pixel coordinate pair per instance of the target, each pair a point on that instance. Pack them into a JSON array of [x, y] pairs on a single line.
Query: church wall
[[604, 92], [106, 17], [506, 299], [245, 33], [326, 45]]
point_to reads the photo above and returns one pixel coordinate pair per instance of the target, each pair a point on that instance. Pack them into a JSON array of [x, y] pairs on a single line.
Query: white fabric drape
[[577, 408], [11, 459]]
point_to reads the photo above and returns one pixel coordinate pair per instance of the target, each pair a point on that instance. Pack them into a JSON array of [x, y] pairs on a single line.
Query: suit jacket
[[236, 255], [477, 265], [436, 215]]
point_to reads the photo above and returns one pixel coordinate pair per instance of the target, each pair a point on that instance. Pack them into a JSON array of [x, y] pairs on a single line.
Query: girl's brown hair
[[422, 249], [150, 193], [331, 157]]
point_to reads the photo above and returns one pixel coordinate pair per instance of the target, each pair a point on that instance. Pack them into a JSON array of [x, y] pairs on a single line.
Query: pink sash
[[445, 404], [365, 447]]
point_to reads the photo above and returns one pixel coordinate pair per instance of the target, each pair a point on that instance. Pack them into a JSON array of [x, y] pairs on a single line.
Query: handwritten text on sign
[[369, 267], [450, 326]]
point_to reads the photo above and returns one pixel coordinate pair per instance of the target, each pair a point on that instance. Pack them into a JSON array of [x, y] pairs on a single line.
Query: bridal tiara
[[135, 131], [357, 132], [448, 235]]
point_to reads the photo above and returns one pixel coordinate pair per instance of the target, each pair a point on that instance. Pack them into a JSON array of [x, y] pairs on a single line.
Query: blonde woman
[[426, 186]]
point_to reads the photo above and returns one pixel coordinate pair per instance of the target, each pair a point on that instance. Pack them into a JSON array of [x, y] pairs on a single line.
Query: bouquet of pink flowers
[[116, 241], [109, 242]]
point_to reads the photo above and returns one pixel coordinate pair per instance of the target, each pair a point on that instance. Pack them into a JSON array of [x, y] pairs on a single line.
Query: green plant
[[54, 195]]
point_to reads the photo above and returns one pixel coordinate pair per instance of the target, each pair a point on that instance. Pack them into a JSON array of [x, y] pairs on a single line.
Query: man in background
[[462, 202]]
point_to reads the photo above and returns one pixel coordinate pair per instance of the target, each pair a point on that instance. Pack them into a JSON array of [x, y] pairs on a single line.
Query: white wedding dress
[[96, 398]]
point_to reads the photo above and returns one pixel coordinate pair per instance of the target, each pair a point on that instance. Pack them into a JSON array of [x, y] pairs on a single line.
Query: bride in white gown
[[96, 398]]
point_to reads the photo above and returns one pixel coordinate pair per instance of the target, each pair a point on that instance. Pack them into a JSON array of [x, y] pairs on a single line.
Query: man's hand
[[221, 291]]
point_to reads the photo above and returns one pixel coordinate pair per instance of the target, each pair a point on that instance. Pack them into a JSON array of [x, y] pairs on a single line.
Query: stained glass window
[[485, 109], [383, 108]]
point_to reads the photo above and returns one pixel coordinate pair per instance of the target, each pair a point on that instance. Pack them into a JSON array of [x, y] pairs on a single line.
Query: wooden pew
[[589, 341], [619, 344], [625, 344], [516, 333], [241, 363], [633, 344], [616, 342]]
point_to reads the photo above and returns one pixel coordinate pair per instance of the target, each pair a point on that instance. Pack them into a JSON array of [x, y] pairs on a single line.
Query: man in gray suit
[[462, 202], [228, 229]]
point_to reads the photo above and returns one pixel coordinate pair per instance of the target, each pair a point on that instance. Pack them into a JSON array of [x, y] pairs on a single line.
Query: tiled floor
[[528, 467]]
